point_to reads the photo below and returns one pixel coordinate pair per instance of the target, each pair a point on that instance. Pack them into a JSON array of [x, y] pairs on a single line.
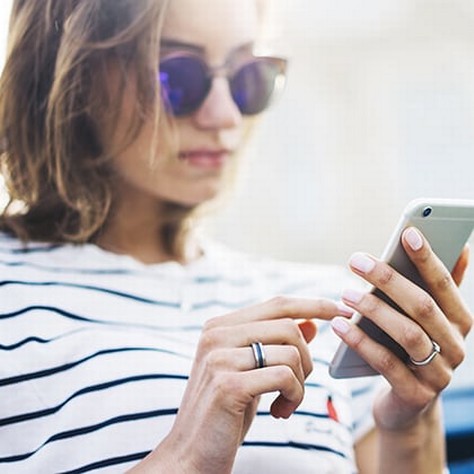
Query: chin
[[197, 198]]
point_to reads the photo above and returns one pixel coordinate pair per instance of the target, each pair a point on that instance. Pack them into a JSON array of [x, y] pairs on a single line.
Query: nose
[[218, 109]]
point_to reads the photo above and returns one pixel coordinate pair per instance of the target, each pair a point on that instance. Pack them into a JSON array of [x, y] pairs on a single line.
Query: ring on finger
[[259, 355], [435, 350]]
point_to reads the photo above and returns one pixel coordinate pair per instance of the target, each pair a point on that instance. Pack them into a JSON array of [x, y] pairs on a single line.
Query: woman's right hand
[[224, 387]]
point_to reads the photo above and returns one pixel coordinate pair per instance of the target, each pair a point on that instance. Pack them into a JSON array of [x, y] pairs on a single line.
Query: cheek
[[124, 128], [141, 153], [141, 158]]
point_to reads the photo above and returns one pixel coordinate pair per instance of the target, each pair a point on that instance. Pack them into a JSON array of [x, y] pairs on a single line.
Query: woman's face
[[218, 31]]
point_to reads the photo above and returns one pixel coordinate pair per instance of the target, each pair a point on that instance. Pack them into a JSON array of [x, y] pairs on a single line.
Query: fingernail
[[414, 239], [353, 296], [362, 262], [340, 325], [344, 310]]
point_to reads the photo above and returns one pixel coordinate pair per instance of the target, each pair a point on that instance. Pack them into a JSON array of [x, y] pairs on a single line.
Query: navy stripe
[[297, 412], [70, 365], [29, 249], [92, 428], [311, 414], [200, 280], [174, 305], [109, 462], [208, 280], [139, 456], [363, 390], [86, 271], [320, 361], [325, 388], [51, 309], [23, 342], [91, 288], [93, 388], [146, 415], [223, 304], [77, 317], [295, 445], [38, 340], [315, 385]]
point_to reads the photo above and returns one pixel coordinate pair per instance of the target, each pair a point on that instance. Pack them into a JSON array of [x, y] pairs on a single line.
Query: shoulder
[[52, 257], [14, 253]]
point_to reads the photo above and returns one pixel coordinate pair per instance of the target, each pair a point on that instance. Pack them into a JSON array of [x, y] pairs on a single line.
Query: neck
[[136, 229]]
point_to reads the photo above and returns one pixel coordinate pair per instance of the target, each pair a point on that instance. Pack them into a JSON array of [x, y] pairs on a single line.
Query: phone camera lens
[[426, 211]]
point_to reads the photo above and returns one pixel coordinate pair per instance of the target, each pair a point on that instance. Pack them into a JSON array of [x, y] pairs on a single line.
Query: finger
[[280, 332], [280, 356], [242, 359], [460, 268], [276, 379], [412, 300], [414, 387], [399, 327], [439, 281], [282, 307], [405, 331], [415, 302]]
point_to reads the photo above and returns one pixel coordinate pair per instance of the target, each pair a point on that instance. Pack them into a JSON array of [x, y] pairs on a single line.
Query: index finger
[[281, 307]]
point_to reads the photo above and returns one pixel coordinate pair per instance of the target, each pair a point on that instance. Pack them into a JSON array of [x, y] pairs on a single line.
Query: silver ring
[[434, 352], [259, 355]]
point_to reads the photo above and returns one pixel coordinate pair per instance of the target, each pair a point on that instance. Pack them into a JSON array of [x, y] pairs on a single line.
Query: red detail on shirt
[[331, 409]]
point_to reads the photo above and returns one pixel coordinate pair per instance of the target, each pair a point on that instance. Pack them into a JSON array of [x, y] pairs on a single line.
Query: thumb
[[459, 269]]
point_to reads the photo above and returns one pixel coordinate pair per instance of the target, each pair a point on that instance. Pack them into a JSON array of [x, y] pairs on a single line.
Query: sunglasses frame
[[229, 69]]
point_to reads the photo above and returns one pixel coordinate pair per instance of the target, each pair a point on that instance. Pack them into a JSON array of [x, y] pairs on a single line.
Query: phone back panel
[[447, 225]]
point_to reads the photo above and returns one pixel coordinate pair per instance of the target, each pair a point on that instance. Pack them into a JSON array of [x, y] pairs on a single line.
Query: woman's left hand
[[437, 316]]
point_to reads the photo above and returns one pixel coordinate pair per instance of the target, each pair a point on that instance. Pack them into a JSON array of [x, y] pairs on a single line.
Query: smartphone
[[447, 224]]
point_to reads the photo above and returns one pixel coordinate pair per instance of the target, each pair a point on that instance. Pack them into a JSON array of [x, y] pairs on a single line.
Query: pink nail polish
[[340, 325], [414, 239], [353, 296], [362, 262], [344, 310]]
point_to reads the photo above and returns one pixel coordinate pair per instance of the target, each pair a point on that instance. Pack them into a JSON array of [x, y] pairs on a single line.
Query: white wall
[[379, 109]]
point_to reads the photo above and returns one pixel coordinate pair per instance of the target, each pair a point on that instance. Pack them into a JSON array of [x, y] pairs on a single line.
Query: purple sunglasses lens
[[186, 81], [184, 84], [253, 85]]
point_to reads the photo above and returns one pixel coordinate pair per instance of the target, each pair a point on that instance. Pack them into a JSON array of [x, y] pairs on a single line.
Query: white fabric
[[95, 350]]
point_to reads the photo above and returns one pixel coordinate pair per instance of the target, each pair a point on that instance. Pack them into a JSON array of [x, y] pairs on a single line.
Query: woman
[[127, 342]]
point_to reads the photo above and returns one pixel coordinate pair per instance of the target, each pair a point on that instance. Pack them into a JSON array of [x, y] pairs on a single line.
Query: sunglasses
[[186, 80]]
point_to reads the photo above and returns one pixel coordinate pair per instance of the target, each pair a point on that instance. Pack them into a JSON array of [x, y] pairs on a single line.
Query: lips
[[205, 158]]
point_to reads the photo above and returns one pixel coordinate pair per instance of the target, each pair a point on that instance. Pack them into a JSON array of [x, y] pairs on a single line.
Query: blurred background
[[378, 109]]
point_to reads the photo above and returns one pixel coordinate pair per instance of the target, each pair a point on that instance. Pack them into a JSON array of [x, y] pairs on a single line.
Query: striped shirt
[[96, 349]]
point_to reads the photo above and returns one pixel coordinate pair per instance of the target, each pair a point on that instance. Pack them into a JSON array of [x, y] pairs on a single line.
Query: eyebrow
[[177, 44]]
